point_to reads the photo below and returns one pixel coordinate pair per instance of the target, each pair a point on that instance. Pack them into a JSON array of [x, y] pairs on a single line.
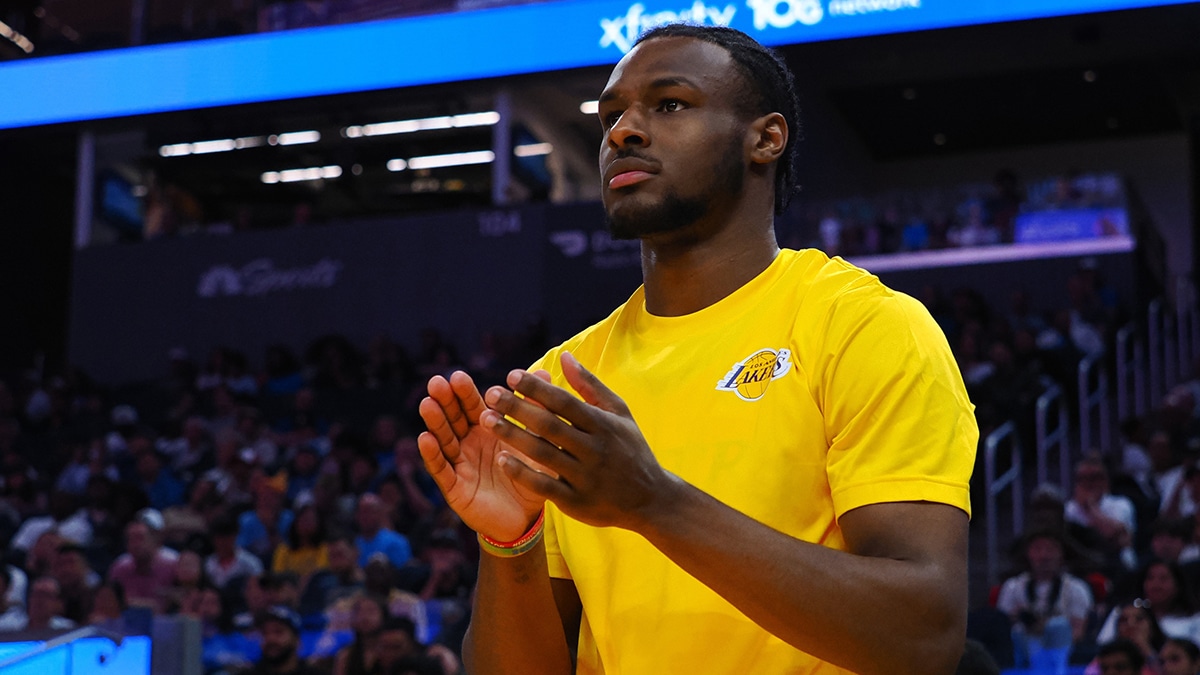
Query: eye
[[671, 105], [609, 119]]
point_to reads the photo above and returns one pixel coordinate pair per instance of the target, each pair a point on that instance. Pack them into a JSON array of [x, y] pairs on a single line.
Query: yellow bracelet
[[524, 544]]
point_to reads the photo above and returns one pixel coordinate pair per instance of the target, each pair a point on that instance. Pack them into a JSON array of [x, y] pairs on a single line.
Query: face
[[1090, 481], [369, 514], [368, 616], [1159, 586], [138, 541], [1132, 624], [1175, 661], [69, 567], [394, 645], [674, 140], [278, 642], [1116, 664], [45, 600], [342, 556], [1045, 556], [188, 568]]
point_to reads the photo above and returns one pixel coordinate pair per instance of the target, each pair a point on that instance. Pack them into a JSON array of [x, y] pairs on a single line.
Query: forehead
[[700, 62]]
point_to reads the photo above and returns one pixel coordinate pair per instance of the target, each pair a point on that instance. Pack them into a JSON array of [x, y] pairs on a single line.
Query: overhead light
[[533, 149], [589, 107], [440, 161], [297, 175], [479, 119], [1089, 76], [17, 39], [294, 138], [206, 147]]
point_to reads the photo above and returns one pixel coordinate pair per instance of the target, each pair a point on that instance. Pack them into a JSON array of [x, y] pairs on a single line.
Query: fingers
[[590, 387], [440, 429], [544, 448], [435, 461], [459, 399], [540, 484]]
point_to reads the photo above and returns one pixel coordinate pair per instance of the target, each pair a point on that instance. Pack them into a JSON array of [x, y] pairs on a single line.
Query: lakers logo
[[750, 377]]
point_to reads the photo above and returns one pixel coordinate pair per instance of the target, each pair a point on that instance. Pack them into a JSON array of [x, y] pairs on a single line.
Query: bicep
[[570, 611]]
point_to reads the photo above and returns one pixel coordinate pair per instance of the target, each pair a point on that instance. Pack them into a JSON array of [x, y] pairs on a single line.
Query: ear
[[769, 134]]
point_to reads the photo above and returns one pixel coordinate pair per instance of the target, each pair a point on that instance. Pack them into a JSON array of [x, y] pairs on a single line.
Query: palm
[[461, 457], [483, 495]]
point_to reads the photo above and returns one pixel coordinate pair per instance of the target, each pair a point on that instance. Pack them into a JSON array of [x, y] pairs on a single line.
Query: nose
[[630, 129]]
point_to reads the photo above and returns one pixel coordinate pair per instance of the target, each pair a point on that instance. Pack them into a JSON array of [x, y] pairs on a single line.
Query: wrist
[[519, 546]]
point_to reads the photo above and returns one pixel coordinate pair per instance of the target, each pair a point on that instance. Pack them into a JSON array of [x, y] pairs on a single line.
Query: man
[[228, 561], [280, 628], [373, 537], [1048, 606], [1120, 657], [44, 609], [76, 581], [1107, 520], [792, 497], [147, 569]]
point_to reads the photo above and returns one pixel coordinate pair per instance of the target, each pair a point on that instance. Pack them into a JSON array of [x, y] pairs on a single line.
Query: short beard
[[278, 658], [675, 212]]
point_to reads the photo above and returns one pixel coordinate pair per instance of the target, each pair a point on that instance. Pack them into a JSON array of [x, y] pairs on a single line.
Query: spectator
[[303, 471], [1048, 606], [108, 604], [362, 656], [344, 577], [10, 611], [44, 609], [162, 488], [261, 529], [76, 581], [1180, 657], [191, 521], [1107, 519], [222, 647], [280, 628], [1136, 623], [147, 569], [1120, 657], [399, 652], [1168, 595], [305, 550], [374, 537], [63, 518], [228, 561]]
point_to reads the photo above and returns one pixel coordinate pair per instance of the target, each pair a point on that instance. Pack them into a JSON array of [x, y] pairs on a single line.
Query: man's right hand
[[461, 456]]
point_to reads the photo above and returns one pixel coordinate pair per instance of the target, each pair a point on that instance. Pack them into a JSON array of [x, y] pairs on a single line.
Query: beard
[[675, 211], [277, 655]]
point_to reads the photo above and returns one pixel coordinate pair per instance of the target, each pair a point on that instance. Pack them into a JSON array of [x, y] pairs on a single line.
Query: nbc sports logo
[[750, 376]]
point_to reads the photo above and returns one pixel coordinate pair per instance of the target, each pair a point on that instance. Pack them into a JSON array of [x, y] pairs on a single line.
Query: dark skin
[[894, 602]]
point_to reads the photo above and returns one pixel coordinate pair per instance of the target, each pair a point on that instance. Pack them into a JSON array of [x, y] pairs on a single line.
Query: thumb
[[593, 391]]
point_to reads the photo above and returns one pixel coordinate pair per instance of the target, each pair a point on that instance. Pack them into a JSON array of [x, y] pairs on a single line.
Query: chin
[[630, 218]]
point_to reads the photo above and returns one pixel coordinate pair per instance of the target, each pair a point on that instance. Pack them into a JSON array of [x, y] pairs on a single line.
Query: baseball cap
[[281, 614]]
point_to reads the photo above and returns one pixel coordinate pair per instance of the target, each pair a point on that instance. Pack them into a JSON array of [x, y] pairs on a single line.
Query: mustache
[[632, 153]]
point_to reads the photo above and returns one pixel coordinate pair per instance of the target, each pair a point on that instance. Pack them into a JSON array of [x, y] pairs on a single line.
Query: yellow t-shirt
[[808, 392], [300, 561]]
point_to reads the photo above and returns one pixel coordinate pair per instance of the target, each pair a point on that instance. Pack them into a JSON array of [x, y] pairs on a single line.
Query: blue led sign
[[448, 48]]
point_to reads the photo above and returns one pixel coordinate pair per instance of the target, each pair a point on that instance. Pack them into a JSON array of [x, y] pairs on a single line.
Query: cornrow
[[770, 82]]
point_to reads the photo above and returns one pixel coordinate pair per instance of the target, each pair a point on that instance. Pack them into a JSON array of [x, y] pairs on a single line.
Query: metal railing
[[1131, 374], [995, 486], [1048, 440], [1093, 398]]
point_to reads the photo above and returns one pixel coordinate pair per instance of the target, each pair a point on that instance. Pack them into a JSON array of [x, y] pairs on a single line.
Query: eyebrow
[[660, 83]]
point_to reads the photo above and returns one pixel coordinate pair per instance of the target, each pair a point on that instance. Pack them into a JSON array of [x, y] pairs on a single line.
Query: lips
[[628, 178], [627, 172]]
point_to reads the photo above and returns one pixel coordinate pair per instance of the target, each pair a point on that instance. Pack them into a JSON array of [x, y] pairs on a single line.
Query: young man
[[758, 464]]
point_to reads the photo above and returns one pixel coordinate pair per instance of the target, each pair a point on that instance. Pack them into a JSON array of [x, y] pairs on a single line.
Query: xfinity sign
[[622, 31]]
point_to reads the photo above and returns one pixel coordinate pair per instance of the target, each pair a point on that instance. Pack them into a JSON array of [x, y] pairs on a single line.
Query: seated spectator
[[229, 561], [76, 581], [187, 522], [303, 471], [399, 652], [1166, 592], [1136, 623], [189, 578], [156, 480], [108, 605], [374, 537], [1179, 657], [305, 550], [43, 609], [343, 578], [10, 611], [262, 528], [1120, 657], [63, 517], [147, 569], [280, 629], [1168, 538], [1107, 519], [222, 647], [362, 656], [1048, 606]]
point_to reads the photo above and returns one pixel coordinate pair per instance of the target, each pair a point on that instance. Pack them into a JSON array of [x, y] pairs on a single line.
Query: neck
[[287, 666], [684, 272]]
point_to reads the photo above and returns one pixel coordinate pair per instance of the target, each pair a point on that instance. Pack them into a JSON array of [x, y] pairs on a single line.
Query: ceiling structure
[[960, 90]]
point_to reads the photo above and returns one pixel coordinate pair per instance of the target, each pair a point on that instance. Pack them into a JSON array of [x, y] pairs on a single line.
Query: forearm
[[515, 625], [867, 614]]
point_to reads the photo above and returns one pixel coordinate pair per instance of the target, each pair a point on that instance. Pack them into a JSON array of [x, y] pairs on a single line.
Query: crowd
[[285, 508]]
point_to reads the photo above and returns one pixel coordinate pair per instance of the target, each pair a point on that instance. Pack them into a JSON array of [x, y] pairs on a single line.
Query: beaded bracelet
[[512, 549]]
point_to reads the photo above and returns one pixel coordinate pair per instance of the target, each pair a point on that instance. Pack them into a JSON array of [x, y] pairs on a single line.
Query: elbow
[[941, 648]]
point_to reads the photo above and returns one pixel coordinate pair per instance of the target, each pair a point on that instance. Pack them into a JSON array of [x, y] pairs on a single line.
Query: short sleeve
[[555, 562], [897, 418]]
